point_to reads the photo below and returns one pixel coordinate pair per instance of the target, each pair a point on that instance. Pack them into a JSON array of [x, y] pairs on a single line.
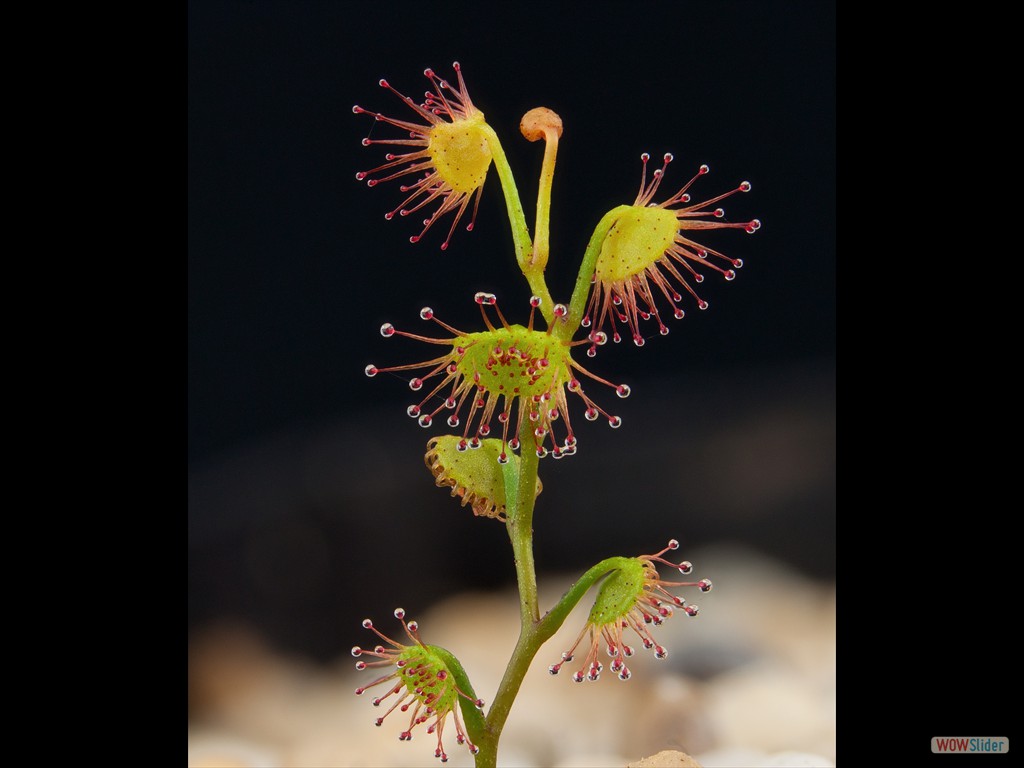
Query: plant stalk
[[567, 328], [534, 630], [517, 220]]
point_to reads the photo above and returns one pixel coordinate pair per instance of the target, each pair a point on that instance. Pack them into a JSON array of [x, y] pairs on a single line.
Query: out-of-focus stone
[[797, 760], [769, 706], [668, 758], [212, 751], [738, 757]]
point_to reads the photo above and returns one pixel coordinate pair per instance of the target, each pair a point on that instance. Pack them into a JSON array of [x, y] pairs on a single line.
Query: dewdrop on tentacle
[[421, 681], [633, 596], [510, 377], [647, 257], [448, 150]]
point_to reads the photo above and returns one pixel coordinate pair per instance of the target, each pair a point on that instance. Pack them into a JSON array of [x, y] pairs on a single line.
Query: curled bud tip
[[539, 122]]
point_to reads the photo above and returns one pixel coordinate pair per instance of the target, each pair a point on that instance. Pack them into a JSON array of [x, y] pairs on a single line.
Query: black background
[[309, 507]]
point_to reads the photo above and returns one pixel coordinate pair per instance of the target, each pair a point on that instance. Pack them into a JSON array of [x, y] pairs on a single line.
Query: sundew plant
[[502, 396]]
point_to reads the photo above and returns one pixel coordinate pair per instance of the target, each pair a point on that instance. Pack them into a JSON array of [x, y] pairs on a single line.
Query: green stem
[[474, 717], [567, 328], [541, 242], [517, 219], [534, 631], [554, 618], [519, 516], [520, 497]]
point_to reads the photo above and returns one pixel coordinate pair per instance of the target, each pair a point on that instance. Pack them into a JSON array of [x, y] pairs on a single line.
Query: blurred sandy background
[[308, 504]]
